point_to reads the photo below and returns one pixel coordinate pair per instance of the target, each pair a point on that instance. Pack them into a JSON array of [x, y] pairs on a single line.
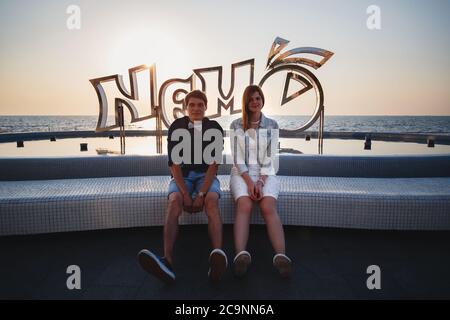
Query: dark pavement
[[328, 264]]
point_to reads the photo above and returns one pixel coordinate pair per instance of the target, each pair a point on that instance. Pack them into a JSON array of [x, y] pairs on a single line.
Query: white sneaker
[[218, 262], [283, 265], [241, 263]]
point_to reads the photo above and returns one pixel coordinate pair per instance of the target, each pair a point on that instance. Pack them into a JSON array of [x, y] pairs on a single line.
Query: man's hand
[[198, 204], [187, 202]]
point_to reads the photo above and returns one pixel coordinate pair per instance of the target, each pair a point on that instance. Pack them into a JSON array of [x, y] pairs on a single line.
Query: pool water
[[147, 146]]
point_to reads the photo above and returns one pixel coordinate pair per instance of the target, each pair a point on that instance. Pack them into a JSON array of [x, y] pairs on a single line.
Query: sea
[[391, 124]]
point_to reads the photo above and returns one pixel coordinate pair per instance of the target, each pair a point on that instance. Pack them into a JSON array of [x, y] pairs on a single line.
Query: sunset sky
[[402, 69]]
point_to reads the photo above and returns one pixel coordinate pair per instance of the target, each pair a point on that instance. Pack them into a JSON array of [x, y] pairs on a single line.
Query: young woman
[[254, 138]]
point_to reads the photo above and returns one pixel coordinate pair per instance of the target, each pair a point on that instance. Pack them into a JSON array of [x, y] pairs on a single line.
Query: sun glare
[[146, 46]]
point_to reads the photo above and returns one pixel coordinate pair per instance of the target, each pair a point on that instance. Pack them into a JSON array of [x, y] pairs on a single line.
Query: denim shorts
[[194, 181]]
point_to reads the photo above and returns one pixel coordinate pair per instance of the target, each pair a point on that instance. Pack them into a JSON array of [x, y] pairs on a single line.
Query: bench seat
[[44, 206]]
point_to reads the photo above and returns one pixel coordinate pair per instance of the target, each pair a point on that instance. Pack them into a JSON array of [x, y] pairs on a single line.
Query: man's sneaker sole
[[283, 265], [150, 263], [217, 264], [241, 263]]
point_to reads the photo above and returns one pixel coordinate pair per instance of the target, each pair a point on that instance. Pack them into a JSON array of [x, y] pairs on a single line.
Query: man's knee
[[175, 201], [212, 205], [211, 202]]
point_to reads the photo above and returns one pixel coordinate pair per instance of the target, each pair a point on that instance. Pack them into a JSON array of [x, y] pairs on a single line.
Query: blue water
[[399, 124]]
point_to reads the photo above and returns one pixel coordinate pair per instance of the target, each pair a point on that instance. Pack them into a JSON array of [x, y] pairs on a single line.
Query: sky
[[403, 68]]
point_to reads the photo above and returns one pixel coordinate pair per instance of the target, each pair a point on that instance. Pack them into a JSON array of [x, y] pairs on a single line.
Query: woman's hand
[[250, 186], [252, 190], [259, 190]]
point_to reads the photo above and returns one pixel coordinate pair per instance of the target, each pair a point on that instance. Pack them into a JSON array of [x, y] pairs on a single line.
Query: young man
[[194, 186]]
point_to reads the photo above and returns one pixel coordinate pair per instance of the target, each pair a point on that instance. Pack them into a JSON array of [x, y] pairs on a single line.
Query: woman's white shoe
[[241, 263], [283, 265]]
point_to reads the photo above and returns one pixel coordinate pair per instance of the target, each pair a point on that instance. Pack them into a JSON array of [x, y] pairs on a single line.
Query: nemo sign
[[165, 109]]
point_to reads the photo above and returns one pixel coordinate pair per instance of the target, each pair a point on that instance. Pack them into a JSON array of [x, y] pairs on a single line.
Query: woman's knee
[[268, 206], [244, 205]]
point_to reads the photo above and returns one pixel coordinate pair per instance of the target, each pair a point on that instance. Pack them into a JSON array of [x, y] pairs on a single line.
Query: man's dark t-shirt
[[185, 123]]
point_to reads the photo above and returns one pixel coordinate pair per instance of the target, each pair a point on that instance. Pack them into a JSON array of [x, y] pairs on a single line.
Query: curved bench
[[40, 195]]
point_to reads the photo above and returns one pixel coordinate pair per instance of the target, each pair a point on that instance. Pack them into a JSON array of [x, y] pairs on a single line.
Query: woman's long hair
[[251, 89]]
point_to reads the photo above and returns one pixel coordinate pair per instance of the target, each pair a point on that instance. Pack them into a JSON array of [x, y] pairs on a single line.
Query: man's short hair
[[196, 94]]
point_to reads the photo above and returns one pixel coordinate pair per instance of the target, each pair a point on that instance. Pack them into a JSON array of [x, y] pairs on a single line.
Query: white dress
[[237, 183]]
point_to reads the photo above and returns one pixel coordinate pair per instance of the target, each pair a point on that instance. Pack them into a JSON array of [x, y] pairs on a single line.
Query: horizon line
[[334, 115]]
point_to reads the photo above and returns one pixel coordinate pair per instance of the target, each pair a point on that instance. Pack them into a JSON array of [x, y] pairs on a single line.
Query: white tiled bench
[[403, 193]]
